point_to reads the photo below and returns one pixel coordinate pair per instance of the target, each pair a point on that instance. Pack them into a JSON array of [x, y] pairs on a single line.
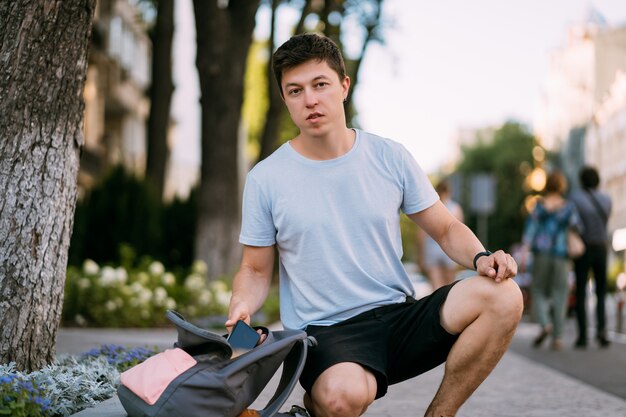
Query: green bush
[[123, 211]]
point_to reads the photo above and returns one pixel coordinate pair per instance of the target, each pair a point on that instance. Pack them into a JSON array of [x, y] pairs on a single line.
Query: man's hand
[[499, 266], [240, 311]]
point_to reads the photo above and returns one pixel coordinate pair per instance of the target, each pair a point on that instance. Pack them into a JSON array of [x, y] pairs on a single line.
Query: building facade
[[582, 112], [116, 105]]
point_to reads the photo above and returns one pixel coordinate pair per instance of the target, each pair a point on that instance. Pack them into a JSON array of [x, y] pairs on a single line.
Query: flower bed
[[69, 385], [138, 297]]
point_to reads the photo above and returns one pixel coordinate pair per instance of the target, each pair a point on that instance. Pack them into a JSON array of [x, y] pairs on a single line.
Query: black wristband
[[478, 255]]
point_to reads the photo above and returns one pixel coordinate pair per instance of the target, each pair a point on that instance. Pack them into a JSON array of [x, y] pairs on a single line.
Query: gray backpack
[[198, 378]]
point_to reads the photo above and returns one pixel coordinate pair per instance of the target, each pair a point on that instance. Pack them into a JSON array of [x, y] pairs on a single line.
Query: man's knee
[[344, 395], [482, 296], [505, 299]]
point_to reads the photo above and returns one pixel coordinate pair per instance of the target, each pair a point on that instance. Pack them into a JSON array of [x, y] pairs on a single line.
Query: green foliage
[[505, 156], [179, 230], [122, 209], [255, 102], [123, 212], [408, 229], [271, 307], [20, 397], [139, 297]]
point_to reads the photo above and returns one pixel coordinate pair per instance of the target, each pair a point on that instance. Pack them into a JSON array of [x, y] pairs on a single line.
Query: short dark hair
[[305, 47], [555, 183], [589, 177]]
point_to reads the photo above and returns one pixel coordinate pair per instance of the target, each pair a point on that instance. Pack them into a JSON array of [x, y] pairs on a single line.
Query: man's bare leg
[[486, 314], [343, 390]]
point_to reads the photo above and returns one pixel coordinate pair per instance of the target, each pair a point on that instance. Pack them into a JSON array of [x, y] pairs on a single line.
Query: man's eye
[[321, 84], [293, 92]]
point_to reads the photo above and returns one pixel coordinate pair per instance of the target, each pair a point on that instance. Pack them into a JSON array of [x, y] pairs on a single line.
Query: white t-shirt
[[336, 224]]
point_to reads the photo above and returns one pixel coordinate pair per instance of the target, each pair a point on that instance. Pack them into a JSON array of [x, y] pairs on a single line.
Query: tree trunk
[[161, 91], [224, 34], [273, 116], [43, 62], [371, 27]]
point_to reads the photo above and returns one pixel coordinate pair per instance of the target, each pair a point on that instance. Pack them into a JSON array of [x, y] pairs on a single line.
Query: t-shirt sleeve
[[419, 193], [257, 226]]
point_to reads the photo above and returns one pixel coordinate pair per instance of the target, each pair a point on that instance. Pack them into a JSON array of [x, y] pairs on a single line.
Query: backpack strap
[[597, 205], [292, 368]]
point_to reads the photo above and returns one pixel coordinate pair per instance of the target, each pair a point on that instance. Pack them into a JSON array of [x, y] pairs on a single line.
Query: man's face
[[314, 96]]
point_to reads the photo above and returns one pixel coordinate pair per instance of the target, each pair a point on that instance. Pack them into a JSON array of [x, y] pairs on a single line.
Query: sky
[[444, 66]]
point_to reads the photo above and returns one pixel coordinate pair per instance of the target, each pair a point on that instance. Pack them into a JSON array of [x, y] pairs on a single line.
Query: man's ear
[[346, 85]]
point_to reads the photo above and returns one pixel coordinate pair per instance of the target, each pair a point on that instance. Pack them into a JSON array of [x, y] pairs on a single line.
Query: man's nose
[[310, 98]]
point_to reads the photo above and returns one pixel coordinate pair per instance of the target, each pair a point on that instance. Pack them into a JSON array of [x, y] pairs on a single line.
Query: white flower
[[108, 276], [218, 286], [90, 267], [136, 287], [156, 268], [160, 294], [199, 267], [223, 298], [80, 320], [170, 303], [83, 283], [121, 275], [168, 279], [143, 278], [145, 296], [194, 282], [110, 305], [205, 297]]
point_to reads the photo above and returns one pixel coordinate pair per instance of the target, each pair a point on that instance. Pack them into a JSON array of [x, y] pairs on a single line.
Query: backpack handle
[[292, 368]]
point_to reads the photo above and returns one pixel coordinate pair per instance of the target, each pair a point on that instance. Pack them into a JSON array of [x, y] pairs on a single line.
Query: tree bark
[[273, 116], [371, 25], [43, 62], [161, 90], [224, 35]]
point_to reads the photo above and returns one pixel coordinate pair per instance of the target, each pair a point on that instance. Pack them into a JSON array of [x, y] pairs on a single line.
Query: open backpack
[[198, 377]]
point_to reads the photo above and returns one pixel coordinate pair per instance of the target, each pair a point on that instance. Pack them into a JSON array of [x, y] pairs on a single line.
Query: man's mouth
[[314, 116]]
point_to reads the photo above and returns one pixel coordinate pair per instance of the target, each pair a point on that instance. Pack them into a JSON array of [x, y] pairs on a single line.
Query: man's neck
[[324, 147]]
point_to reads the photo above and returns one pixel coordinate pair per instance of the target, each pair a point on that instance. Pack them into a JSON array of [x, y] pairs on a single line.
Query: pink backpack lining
[[150, 378]]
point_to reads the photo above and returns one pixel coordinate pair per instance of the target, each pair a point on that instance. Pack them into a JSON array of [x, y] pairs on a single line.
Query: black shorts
[[395, 342]]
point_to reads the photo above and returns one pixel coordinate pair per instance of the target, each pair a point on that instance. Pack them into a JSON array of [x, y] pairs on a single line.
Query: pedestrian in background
[[433, 261], [545, 235], [594, 207]]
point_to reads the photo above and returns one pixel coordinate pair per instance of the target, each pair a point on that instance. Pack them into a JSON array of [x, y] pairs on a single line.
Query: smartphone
[[243, 337]]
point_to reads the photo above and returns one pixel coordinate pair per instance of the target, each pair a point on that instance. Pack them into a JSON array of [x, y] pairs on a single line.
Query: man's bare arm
[[461, 244], [251, 283]]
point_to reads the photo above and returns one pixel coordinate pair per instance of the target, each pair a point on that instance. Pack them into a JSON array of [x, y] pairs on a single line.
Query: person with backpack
[[594, 207], [329, 200], [545, 236]]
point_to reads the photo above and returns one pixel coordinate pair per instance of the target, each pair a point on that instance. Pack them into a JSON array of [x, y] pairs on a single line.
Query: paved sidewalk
[[518, 387]]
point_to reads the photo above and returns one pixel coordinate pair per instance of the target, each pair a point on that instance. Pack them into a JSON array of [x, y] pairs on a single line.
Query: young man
[[329, 200]]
